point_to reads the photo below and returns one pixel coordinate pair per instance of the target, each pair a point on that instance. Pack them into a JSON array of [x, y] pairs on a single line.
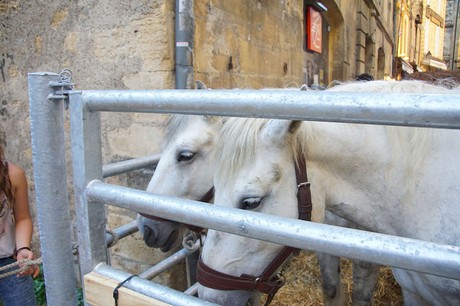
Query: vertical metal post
[[454, 42], [85, 131], [50, 177], [184, 29]]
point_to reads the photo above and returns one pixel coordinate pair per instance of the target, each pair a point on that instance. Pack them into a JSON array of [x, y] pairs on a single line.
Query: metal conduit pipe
[[184, 30], [50, 177], [130, 165], [399, 252], [401, 109], [150, 288], [121, 232], [169, 261]]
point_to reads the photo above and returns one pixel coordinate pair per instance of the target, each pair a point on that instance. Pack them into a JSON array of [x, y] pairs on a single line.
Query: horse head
[[184, 170], [255, 170]]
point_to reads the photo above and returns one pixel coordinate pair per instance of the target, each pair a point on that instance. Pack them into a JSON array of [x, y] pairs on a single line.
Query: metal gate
[[47, 91]]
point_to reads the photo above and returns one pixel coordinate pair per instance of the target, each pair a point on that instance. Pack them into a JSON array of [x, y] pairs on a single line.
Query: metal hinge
[[62, 88]]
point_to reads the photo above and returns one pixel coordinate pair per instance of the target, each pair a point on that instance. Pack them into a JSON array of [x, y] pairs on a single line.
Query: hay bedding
[[303, 284]]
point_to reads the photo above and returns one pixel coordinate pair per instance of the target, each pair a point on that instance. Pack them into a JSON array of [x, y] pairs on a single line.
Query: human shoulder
[[16, 173]]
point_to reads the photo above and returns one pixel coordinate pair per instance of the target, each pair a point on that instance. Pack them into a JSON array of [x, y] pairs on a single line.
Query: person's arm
[[24, 226]]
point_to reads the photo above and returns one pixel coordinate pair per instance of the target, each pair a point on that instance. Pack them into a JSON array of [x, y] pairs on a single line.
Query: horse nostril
[[170, 242], [150, 236]]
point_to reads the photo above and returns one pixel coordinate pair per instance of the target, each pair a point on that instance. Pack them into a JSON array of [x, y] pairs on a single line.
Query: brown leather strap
[[303, 191], [217, 280], [208, 196], [267, 282]]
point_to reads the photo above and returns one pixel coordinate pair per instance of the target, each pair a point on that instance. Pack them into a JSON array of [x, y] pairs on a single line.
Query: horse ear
[[200, 85], [280, 131]]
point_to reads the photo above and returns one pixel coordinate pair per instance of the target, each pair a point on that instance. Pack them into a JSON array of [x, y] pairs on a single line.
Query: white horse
[[394, 180], [185, 170]]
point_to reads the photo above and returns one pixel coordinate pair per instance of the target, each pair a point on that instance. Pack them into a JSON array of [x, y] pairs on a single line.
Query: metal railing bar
[[150, 288], [399, 252], [400, 109], [130, 165], [169, 262], [121, 232], [192, 290]]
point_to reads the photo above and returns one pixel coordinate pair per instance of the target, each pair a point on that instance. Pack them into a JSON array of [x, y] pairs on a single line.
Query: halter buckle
[[303, 184]]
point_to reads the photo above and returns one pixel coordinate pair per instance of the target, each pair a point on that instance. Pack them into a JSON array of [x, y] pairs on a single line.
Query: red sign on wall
[[314, 30]]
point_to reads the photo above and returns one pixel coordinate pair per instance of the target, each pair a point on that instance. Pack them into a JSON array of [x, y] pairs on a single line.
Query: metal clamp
[[62, 87]]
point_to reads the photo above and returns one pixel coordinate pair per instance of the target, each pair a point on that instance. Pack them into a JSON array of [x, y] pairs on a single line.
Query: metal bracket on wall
[[62, 87]]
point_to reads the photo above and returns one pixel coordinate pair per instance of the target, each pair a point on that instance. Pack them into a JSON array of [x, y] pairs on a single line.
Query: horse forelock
[[178, 123], [237, 145], [173, 126]]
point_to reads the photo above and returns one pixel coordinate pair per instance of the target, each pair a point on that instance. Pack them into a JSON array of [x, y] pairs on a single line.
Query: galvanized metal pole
[[151, 289], [50, 178], [130, 165], [401, 109], [183, 32], [405, 253], [85, 131], [184, 28]]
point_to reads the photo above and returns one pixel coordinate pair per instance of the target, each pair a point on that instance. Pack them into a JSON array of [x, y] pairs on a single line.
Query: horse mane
[[242, 133], [416, 140]]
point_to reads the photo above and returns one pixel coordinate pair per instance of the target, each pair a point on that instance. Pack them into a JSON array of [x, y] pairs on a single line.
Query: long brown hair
[[5, 183]]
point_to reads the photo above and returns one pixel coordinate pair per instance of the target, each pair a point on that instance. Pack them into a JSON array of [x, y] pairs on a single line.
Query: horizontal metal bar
[[169, 262], [192, 290], [121, 232], [405, 253], [130, 165], [150, 288], [401, 109]]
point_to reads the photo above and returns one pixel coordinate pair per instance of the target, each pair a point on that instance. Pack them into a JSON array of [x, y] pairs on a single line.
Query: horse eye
[[250, 203], [185, 156]]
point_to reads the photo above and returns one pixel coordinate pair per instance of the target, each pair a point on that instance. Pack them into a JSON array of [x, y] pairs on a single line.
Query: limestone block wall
[[130, 45], [248, 44], [107, 45]]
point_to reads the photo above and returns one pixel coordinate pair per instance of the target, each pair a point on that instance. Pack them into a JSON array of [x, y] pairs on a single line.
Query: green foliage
[[40, 290], [80, 297]]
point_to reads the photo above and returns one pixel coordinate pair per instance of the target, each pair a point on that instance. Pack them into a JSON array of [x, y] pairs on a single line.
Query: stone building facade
[[130, 45], [420, 32]]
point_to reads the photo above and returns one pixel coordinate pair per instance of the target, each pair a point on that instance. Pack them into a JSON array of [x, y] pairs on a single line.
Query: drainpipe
[[454, 47], [184, 30]]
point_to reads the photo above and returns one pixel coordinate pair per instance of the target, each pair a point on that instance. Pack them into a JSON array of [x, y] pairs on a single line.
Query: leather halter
[[268, 282], [206, 198]]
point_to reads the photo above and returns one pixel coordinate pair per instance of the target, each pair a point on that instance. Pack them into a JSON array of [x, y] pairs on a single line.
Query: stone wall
[[107, 45], [248, 44]]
